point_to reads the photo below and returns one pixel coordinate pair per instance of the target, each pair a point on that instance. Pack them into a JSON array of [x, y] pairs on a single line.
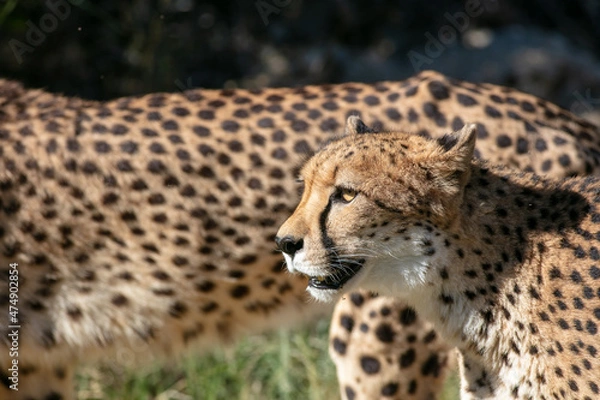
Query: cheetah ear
[[450, 169], [453, 162], [354, 126], [459, 146]]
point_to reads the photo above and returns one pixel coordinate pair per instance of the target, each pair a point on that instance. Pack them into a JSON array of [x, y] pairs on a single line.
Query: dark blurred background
[[101, 50]]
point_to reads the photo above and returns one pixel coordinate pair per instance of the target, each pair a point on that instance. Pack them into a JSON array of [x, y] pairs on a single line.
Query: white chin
[[324, 295], [329, 295]]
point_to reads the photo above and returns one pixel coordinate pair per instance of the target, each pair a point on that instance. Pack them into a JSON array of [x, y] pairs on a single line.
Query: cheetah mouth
[[344, 271]]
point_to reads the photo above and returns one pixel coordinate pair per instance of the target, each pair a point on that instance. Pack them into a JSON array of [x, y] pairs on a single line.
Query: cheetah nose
[[289, 245]]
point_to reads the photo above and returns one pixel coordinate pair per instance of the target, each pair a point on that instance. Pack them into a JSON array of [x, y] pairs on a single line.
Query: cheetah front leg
[[382, 349]]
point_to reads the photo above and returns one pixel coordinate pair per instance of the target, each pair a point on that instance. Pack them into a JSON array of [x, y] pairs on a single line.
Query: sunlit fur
[[503, 264]]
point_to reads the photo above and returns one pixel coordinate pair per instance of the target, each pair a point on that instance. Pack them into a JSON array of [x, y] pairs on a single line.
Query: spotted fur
[[144, 225]]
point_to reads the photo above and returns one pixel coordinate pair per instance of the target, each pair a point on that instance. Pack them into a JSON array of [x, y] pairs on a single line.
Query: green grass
[[281, 365]]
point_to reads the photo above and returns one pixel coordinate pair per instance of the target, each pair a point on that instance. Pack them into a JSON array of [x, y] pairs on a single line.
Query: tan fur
[[144, 225], [504, 264]]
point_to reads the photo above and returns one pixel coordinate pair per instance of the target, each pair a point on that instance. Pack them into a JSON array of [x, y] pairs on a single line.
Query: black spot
[[209, 307], [240, 291], [522, 146], [438, 90], [591, 327], [119, 300], [540, 145], [206, 114], [279, 153], [527, 106], [156, 166], [201, 131], [248, 259], [206, 172], [492, 112], [564, 160], [153, 116], [555, 273], [102, 147], [393, 114], [350, 394], [573, 385], [444, 273], [129, 147], [124, 166], [74, 312], [408, 316], [156, 198], [411, 91], [370, 365], [299, 125], [390, 389], [170, 125], [431, 366], [266, 122], [157, 148], [230, 126], [413, 117], [503, 141], [446, 299], [188, 191], [128, 216], [329, 125], [466, 100], [407, 358], [559, 141], [412, 386], [431, 111], [347, 322], [371, 100], [385, 333], [110, 198], [161, 275], [119, 129], [330, 105], [177, 309], [358, 299], [180, 111], [458, 123], [496, 99], [482, 132], [302, 147], [205, 286], [339, 346]]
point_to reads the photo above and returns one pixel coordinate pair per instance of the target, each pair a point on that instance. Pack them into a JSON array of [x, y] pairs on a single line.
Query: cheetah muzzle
[[338, 272]]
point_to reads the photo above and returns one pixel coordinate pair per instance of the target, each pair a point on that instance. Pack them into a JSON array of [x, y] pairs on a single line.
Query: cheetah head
[[373, 207]]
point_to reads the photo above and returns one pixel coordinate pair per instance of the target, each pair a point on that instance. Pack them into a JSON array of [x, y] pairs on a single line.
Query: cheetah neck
[[478, 289]]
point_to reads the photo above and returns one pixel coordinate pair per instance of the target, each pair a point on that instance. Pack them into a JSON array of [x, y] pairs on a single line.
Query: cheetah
[[144, 225], [504, 264], [366, 327]]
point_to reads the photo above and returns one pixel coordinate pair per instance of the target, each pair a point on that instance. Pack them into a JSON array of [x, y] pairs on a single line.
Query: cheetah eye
[[346, 195]]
